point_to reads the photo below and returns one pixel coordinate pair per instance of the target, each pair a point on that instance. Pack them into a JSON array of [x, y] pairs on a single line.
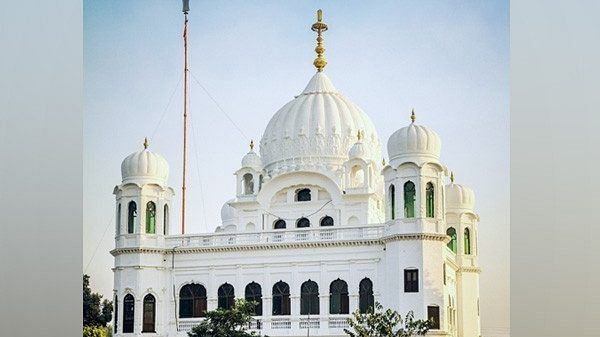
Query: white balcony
[[284, 236]]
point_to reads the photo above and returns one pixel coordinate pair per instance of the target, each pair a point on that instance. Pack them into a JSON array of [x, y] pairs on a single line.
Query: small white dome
[[459, 197], [145, 166], [251, 159], [414, 143], [227, 213], [316, 130], [357, 150]]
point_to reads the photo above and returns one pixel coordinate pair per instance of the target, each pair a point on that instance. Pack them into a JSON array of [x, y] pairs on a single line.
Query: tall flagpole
[[186, 9]]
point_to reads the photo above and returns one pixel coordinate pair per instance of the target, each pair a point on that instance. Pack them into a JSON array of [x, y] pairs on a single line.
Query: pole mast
[[186, 9]]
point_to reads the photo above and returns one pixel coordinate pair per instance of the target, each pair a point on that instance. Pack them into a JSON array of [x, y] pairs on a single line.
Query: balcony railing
[[310, 323], [281, 323], [339, 322], [302, 235], [186, 324]]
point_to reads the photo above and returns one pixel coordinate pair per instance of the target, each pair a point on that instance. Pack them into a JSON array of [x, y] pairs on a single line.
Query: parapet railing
[[364, 232]]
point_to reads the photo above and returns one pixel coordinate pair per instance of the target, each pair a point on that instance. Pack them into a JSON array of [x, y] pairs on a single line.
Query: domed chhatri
[[414, 143], [145, 166], [316, 129], [459, 197], [251, 159], [358, 149]]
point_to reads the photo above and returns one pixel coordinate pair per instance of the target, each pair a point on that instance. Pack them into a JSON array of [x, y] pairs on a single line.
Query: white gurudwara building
[[320, 226]]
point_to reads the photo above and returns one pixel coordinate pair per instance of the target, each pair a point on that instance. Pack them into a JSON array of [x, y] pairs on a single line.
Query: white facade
[[324, 148]]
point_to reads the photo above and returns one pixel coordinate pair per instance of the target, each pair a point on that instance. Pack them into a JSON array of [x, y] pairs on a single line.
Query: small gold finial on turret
[[251, 144], [359, 135], [146, 144], [452, 177], [383, 161], [413, 117], [319, 27]]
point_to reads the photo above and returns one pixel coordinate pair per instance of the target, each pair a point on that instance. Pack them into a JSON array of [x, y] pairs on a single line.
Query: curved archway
[[128, 313], [226, 296], [150, 218], [451, 232], [467, 247], [149, 314], [309, 298], [409, 199], [430, 200], [192, 301], [131, 215], [366, 300], [279, 224], [326, 221], [303, 195], [253, 293], [302, 223], [338, 297], [281, 299]]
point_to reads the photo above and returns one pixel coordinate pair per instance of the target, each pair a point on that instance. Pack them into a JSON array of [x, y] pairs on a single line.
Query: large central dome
[[315, 130]]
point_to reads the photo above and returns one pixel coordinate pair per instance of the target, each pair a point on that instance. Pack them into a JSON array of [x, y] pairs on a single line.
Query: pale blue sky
[[447, 59]]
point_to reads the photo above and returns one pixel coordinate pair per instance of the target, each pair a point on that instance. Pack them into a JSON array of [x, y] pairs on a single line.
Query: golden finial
[[413, 116], [359, 135], [383, 161], [319, 27], [251, 144], [452, 177], [146, 142]]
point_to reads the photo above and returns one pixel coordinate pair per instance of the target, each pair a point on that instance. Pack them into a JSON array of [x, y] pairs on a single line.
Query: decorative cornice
[[283, 245], [469, 270]]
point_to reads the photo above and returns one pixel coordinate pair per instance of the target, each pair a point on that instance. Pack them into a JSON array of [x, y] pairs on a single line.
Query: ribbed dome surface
[[414, 143], [316, 129], [357, 150], [227, 213], [459, 197], [145, 166]]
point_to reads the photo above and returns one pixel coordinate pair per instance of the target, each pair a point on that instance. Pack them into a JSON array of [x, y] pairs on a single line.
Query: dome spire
[[452, 177], [146, 144], [251, 144], [413, 117], [319, 27]]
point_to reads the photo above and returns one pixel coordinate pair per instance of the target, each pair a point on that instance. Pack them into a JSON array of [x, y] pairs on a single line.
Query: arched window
[[253, 293], [128, 313], [192, 301], [118, 219], [366, 300], [357, 176], [149, 314], [409, 199], [281, 299], [429, 200], [451, 232], [150, 218], [309, 298], [392, 196], [166, 219], [327, 221], [279, 224], [131, 215], [116, 324], [302, 223], [338, 297], [467, 248], [248, 183], [226, 296], [303, 195]]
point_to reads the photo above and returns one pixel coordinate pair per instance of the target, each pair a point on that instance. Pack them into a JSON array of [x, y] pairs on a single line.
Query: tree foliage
[[388, 323], [96, 331], [232, 322], [96, 312]]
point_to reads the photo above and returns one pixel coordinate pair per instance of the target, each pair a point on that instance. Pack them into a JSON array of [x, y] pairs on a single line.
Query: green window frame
[[451, 232], [430, 200], [131, 215], [393, 201], [151, 218], [409, 199]]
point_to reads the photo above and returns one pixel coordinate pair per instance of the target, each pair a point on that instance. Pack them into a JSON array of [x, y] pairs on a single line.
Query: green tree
[[232, 322], [95, 331], [388, 323], [95, 311]]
